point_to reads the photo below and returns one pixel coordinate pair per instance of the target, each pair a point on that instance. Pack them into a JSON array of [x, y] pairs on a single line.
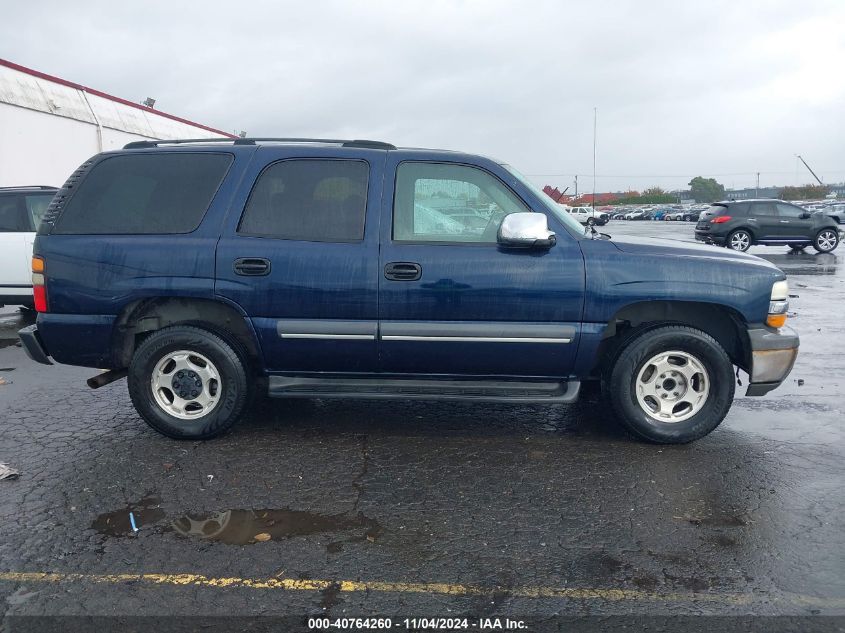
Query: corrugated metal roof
[[28, 88]]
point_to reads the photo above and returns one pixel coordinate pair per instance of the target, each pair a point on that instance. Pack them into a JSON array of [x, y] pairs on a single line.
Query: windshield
[[551, 206]]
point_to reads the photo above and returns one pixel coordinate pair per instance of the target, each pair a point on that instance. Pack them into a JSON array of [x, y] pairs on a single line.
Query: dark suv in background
[[741, 224]]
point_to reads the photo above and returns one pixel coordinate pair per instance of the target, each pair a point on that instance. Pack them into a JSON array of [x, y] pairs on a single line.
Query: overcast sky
[[721, 88]]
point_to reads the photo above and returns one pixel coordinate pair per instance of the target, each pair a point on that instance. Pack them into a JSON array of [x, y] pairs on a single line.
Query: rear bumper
[[84, 340], [709, 238], [773, 353], [33, 345]]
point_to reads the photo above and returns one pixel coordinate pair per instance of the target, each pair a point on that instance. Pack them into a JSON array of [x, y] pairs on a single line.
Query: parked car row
[[678, 212]]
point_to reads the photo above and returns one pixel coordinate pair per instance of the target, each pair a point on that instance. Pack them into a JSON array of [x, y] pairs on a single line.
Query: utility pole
[[757, 190], [576, 189]]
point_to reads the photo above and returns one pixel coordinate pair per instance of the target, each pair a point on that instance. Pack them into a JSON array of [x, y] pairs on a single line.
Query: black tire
[[591, 221], [234, 393], [826, 240], [640, 347], [687, 218], [735, 238], [798, 247]]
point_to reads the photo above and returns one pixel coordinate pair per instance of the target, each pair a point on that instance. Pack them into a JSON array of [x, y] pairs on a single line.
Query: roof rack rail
[[28, 187], [360, 143]]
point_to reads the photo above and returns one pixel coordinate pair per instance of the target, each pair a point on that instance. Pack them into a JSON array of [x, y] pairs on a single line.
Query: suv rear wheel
[[188, 383], [739, 240], [826, 240], [671, 384]]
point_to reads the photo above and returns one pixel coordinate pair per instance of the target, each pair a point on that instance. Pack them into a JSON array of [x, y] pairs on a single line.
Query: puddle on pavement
[[234, 527], [804, 263], [117, 523], [242, 527]]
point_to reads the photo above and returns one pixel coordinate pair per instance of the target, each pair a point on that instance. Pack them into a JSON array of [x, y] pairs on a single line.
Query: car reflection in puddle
[[234, 527], [803, 263], [242, 527]]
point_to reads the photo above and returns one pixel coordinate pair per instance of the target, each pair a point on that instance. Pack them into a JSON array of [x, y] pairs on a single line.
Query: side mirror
[[805, 215], [525, 230]]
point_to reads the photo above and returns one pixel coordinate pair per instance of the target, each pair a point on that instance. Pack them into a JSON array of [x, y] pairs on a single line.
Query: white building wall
[[47, 129]]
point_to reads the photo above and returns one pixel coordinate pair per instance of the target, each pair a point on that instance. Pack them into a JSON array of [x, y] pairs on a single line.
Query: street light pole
[[595, 118]]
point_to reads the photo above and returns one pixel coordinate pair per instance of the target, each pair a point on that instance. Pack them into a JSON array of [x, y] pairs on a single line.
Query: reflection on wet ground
[[234, 527], [242, 527], [146, 512], [803, 263]]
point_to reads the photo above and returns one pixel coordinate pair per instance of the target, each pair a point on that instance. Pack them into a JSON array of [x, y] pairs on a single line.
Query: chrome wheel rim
[[186, 385], [672, 386], [740, 241], [826, 240]]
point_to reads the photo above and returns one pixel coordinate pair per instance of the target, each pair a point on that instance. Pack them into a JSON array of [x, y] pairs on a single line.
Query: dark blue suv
[[207, 271]]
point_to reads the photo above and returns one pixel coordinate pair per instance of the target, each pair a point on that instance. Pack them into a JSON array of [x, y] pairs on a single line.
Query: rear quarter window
[[144, 194]]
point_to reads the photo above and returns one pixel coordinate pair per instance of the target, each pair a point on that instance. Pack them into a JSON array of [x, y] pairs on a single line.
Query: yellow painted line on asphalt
[[449, 589]]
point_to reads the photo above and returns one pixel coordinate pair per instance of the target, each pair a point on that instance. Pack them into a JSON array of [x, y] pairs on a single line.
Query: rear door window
[[12, 219], [764, 209], [739, 210], [144, 194], [314, 200]]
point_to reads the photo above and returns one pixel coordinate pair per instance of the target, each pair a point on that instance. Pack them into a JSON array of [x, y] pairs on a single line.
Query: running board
[[554, 392]]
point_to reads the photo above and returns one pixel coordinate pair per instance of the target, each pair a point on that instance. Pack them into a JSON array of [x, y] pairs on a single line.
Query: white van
[[21, 210]]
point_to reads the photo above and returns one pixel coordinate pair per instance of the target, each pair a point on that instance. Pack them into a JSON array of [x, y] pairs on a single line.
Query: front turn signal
[[776, 320]]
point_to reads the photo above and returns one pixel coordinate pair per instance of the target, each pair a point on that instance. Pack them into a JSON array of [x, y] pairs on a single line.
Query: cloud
[[682, 89]]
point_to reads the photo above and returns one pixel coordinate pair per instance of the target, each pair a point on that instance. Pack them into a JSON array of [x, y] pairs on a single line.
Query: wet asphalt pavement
[[409, 509]]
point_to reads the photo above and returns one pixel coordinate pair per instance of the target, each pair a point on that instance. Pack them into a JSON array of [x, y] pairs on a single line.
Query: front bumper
[[773, 353], [33, 345]]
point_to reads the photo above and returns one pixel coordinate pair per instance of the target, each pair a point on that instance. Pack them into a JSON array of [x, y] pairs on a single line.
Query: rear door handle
[[402, 271], [252, 266]]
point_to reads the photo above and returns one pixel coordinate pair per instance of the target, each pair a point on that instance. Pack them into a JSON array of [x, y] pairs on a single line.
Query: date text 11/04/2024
[[415, 624]]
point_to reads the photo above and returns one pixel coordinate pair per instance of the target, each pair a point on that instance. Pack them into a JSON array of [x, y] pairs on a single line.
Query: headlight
[[778, 304], [780, 291]]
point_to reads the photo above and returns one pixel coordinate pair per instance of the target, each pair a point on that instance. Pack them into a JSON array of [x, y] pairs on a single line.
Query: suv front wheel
[[188, 383], [671, 384], [826, 240]]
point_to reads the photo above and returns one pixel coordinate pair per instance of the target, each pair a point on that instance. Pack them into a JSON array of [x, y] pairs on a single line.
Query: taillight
[[720, 220], [39, 288]]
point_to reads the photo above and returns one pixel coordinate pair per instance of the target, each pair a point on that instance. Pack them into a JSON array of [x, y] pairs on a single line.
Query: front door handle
[[402, 271], [252, 266]]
